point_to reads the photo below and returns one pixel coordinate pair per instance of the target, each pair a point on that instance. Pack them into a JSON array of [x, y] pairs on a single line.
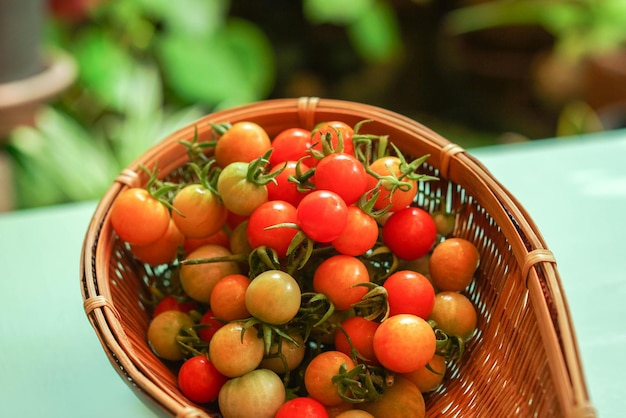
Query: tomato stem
[[233, 257]]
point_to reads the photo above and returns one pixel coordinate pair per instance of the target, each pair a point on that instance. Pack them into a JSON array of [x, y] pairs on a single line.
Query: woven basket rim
[[537, 262]]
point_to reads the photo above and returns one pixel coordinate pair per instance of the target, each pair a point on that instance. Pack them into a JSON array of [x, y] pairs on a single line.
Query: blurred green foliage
[[581, 28], [148, 67]]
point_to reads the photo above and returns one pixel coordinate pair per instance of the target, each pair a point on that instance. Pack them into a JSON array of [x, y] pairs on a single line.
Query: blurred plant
[[61, 160], [576, 76], [371, 25], [147, 67], [581, 28]]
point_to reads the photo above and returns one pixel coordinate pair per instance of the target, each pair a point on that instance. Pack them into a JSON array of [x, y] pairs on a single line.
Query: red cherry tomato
[[273, 212], [211, 325], [409, 292], [410, 233], [172, 303], [359, 235], [283, 188], [292, 144], [343, 174], [302, 408], [322, 215], [199, 380], [361, 332]]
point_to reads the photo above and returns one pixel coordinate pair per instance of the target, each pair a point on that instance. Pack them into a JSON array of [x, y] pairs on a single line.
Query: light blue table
[[52, 365]]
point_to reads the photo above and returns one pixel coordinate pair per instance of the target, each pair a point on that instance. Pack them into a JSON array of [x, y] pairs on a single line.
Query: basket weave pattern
[[523, 361]]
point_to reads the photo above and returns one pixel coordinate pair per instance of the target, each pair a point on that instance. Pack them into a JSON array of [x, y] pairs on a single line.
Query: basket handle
[[539, 273]]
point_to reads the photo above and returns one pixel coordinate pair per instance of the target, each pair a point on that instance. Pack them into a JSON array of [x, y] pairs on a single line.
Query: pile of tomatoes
[[300, 277]]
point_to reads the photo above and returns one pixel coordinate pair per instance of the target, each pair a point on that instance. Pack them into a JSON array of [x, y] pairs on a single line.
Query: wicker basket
[[524, 360]]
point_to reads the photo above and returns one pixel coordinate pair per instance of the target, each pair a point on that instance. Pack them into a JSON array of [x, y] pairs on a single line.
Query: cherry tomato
[[273, 297], [359, 235], [232, 220], [400, 400], [162, 251], [318, 376], [235, 352], [286, 357], [228, 297], [162, 332], [273, 212], [343, 174], [240, 195], [198, 280], [292, 144], [171, 303], [322, 215], [454, 314], [335, 410], [397, 198], [453, 263], [239, 243], [259, 394], [429, 377], [242, 142], [336, 278], [199, 380], [198, 212], [220, 238], [302, 408], [335, 131], [404, 343], [409, 292], [410, 233], [361, 332], [445, 222], [283, 188], [138, 218], [211, 325]]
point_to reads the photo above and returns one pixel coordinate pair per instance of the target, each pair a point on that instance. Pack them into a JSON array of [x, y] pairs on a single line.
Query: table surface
[[574, 189]]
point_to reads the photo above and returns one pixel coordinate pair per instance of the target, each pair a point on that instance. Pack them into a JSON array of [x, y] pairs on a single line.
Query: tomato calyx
[[267, 332], [196, 149], [360, 384], [158, 189], [374, 305], [450, 347], [190, 342], [206, 174], [302, 179], [258, 170], [261, 259], [367, 202], [315, 311], [383, 263], [369, 147], [326, 142]]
